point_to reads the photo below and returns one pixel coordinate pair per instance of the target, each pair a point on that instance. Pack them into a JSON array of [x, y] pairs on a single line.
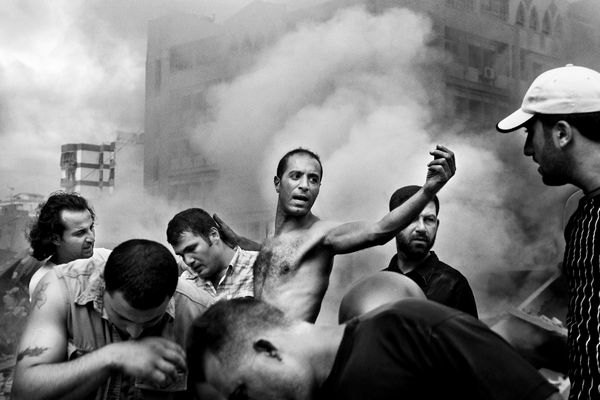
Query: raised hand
[[157, 361], [440, 169]]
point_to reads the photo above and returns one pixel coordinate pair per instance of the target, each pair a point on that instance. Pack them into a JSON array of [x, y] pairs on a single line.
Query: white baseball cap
[[564, 90]]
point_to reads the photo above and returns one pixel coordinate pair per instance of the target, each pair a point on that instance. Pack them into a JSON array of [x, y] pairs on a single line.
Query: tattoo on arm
[[31, 352], [40, 296]]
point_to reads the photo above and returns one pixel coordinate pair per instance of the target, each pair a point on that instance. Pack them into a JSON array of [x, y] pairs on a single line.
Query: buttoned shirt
[[88, 326], [237, 281], [440, 283], [99, 253]]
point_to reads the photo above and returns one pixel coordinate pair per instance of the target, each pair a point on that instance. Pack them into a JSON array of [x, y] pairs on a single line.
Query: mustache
[[420, 237]]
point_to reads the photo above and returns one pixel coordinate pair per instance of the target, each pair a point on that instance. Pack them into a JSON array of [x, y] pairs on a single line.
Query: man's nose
[[187, 259], [420, 225], [303, 183]]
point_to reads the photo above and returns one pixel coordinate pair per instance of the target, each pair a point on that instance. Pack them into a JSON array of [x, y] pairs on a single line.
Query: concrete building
[[87, 169], [97, 170]]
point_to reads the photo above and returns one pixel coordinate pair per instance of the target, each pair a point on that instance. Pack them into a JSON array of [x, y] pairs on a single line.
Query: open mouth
[[300, 198]]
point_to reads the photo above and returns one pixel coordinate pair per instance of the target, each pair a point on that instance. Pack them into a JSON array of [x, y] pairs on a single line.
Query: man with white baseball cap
[[561, 114]]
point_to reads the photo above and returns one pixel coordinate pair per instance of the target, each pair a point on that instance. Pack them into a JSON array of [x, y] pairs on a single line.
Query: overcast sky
[[73, 71]]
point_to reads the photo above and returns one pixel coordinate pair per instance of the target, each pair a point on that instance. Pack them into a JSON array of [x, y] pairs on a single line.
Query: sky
[[71, 72]]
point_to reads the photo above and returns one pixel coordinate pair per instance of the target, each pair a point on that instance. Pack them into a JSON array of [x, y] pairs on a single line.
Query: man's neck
[[584, 167], [58, 260], [407, 264], [321, 343], [286, 223]]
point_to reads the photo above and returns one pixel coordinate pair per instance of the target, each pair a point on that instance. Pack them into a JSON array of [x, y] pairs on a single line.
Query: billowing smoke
[[73, 72], [355, 89]]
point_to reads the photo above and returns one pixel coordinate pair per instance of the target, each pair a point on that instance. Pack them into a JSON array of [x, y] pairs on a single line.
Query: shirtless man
[[293, 268]]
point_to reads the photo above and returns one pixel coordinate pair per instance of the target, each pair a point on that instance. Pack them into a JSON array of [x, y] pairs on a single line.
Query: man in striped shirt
[[561, 114]]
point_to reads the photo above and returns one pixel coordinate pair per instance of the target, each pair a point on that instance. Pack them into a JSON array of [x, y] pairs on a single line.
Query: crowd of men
[[227, 318]]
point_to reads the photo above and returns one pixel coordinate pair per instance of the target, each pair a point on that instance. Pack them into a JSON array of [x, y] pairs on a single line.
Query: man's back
[[418, 349]]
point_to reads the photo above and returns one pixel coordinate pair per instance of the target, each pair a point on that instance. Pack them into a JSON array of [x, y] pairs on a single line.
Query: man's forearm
[[400, 217], [66, 380]]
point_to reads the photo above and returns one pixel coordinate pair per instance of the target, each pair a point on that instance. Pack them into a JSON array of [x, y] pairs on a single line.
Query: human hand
[[227, 233], [440, 169], [155, 360]]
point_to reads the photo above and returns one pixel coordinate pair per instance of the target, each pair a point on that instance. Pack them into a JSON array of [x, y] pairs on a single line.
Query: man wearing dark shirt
[[412, 349], [439, 281]]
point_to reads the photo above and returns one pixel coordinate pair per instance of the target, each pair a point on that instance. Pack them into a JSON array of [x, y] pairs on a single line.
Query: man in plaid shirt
[[216, 267]]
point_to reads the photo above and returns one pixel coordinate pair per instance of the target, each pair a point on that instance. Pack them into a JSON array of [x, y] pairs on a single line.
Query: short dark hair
[[49, 222], [282, 165], [588, 124], [226, 329], [144, 271], [405, 193], [194, 220]]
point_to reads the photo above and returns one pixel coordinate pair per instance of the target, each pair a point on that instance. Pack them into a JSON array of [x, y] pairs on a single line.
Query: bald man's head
[[376, 290]]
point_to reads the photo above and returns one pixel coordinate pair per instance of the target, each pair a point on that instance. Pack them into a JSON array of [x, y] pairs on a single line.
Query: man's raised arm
[[43, 372], [353, 236]]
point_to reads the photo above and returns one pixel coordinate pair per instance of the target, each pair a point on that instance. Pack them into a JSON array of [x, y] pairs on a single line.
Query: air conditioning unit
[[489, 73]]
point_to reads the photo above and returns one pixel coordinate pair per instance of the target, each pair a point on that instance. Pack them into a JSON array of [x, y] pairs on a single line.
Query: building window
[[463, 5], [496, 8], [523, 63], [157, 75], [481, 58], [546, 24], [180, 60], [536, 68], [520, 15], [461, 107], [533, 19], [558, 28], [452, 42]]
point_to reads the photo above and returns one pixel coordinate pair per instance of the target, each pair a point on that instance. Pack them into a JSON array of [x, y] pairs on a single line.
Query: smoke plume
[[355, 89]]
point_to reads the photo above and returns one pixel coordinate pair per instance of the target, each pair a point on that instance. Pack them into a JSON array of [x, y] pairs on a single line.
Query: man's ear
[[55, 239], [264, 346], [276, 182], [562, 133], [214, 236]]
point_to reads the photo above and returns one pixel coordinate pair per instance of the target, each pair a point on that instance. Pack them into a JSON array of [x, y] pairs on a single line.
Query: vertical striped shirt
[[581, 264]]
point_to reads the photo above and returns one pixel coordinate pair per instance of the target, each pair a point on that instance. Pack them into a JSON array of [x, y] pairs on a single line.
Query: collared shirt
[[88, 326], [238, 280], [581, 265], [441, 283], [99, 253]]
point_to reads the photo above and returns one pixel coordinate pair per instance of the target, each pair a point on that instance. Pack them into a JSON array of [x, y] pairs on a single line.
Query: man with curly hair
[[62, 232]]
